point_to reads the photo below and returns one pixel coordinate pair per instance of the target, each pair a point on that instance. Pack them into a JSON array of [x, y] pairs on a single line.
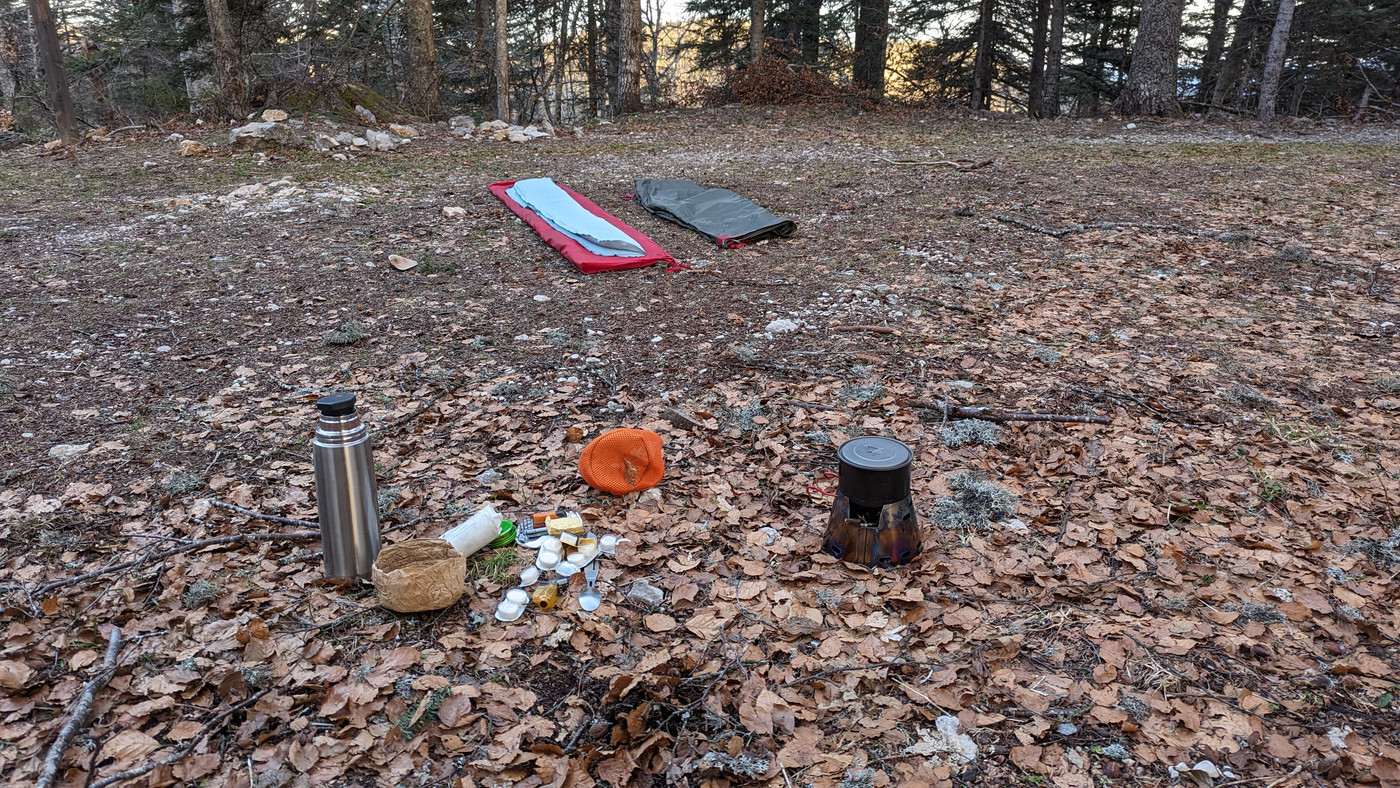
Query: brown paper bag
[[420, 574]]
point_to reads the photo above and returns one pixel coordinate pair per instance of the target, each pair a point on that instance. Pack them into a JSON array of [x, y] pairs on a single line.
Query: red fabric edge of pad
[[573, 251]]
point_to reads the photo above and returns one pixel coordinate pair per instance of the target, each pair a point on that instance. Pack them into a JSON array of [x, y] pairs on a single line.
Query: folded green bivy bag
[[718, 214]]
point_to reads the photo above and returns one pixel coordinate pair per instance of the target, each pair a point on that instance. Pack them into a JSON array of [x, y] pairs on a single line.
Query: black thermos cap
[[342, 404]]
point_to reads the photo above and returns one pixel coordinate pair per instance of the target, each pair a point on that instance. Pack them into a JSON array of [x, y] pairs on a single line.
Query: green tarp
[[719, 214]]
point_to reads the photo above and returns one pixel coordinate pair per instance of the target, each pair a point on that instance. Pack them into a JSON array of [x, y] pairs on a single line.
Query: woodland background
[[568, 61]]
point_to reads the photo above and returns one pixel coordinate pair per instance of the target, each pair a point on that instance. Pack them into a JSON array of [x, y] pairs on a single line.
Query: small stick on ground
[[946, 305], [181, 752], [1081, 228], [951, 411], [821, 674], [964, 165], [81, 710], [260, 516], [871, 329], [184, 548]]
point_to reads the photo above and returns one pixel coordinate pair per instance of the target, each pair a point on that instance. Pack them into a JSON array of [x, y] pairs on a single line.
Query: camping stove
[[872, 520]]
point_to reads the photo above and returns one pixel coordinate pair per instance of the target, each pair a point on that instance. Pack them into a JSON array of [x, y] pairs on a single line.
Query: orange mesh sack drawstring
[[622, 461]]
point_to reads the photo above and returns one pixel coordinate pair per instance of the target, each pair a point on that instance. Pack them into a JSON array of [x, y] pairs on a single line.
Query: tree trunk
[[982, 65], [502, 61], [1273, 63], [424, 88], [1151, 88], [1240, 45], [756, 12], [51, 56], [591, 61], [810, 30], [629, 58], [1055, 50], [1035, 101], [228, 58], [872, 46], [1215, 47], [561, 51]]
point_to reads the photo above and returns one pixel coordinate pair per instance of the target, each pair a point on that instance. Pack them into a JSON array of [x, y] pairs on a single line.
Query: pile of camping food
[[430, 574]]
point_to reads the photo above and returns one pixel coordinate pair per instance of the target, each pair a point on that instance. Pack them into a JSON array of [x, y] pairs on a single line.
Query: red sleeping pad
[[574, 252]]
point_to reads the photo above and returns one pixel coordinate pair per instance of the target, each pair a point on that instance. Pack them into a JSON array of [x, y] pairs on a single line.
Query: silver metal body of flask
[[346, 497]]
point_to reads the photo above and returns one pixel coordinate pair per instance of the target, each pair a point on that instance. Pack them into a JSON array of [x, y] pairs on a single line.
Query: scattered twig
[[1273, 784], [184, 548], [821, 674], [1080, 228], [260, 516], [951, 411], [946, 305], [189, 746], [871, 329], [81, 709], [961, 165], [1154, 407]]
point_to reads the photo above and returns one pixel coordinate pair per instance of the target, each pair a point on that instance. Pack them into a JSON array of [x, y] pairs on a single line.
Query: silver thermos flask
[[346, 498]]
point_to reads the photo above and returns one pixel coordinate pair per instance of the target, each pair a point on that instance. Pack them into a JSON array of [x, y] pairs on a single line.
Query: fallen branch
[[821, 674], [81, 710], [871, 329], [1080, 228], [184, 548], [181, 752], [961, 165], [946, 305], [260, 516], [951, 411]]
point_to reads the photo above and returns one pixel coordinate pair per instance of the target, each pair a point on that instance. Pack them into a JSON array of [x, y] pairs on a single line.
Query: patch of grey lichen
[[198, 594], [1240, 394], [350, 332], [969, 432], [743, 418], [975, 504]]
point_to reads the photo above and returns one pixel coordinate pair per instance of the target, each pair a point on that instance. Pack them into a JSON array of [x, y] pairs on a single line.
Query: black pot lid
[[875, 453]]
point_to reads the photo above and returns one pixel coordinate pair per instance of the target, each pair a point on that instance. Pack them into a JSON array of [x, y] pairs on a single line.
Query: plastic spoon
[[590, 599]]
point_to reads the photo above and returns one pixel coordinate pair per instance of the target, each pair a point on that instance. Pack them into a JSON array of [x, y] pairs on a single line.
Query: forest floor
[[1210, 580]]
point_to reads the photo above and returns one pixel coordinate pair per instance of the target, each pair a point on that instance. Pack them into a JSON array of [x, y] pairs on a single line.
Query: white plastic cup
[[552, 544], [529, 575], [578, 559], [509, 610], [517, 596], [548, 560]]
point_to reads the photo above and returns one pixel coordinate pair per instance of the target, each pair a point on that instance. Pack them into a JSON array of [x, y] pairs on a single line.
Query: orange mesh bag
[[622, 461]]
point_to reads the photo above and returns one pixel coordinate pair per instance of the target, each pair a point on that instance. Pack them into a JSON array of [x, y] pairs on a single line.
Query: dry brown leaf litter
[[1210, 578]]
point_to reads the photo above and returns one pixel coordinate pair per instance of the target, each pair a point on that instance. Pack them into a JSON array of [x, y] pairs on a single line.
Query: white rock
[[359, 142], [453, 211], [175, 137], [645, 594], [517, 136], [534, 132], [266, 135], [782, 326], [381, 141], [365, 115], [192, 148], [960, 384], [1130, 126], [407, 132], [67, 451], [163, 349], [489, 476], [274, 115], [462, 124], [541, 298], [492, 125]]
